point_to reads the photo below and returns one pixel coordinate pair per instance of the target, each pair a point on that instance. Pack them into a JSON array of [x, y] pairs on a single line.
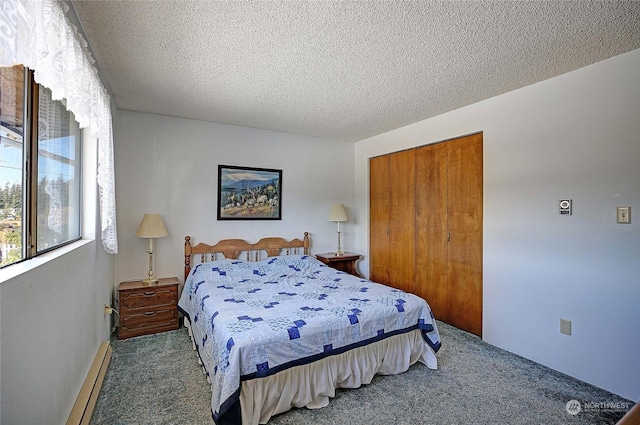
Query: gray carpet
[[156, 379]]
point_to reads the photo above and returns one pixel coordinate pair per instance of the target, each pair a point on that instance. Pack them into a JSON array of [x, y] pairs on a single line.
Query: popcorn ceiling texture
[[341, 70]]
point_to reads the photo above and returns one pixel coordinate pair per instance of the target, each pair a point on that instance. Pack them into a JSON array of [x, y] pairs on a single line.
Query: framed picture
[[246, 193]]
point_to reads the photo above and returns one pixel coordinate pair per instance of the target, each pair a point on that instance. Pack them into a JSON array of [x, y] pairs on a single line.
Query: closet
[[426, 226]]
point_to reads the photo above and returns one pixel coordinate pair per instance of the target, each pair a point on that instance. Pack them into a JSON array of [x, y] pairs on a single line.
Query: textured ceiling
[[344, 70]]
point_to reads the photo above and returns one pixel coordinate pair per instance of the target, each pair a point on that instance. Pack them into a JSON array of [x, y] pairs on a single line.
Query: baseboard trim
[[86, 401]]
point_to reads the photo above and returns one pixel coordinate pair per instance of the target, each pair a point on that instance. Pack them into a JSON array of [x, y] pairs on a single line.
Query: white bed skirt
[[312, 385]]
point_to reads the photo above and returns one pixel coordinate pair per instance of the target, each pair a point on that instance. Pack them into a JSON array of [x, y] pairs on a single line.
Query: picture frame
[[248, 193]]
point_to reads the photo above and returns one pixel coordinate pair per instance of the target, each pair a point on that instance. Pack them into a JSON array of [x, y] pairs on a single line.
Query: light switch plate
[[623, 215]]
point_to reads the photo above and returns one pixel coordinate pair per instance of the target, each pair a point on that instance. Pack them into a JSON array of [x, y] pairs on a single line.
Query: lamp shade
[[152, 226], [338, 213]]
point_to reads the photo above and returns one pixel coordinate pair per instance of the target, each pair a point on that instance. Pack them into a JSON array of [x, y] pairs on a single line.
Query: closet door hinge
[[448, 236]]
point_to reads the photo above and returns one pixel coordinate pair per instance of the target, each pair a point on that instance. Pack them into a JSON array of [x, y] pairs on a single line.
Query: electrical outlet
[[109, 310], [565, 326]]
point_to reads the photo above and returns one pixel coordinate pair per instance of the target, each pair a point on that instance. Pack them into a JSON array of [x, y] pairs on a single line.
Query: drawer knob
[[150, 313], [149, 293]]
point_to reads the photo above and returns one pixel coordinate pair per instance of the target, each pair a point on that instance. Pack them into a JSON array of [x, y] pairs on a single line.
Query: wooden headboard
[[232, 248]]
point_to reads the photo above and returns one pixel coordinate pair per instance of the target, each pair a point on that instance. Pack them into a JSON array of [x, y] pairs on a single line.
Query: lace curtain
[[37, 34]]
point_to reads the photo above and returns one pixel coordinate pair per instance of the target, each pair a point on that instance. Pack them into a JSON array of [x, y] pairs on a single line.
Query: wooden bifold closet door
[[432, 242], [379, 219], [449, 237], [392, 220]]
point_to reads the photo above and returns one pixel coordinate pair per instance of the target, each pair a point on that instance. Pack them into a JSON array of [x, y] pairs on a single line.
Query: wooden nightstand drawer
[[147, 309], [150, 319], [146, 297]]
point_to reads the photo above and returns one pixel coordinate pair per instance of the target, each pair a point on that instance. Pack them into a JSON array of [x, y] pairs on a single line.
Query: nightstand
[[345, 263], [148, 309]]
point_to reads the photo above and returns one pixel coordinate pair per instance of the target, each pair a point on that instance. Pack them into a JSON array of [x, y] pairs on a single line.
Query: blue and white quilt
[[254, 319]]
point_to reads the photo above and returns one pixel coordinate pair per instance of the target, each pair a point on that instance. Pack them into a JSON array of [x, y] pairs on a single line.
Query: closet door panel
[[402, 180], [379, 219], [431, 227], [464, 183]]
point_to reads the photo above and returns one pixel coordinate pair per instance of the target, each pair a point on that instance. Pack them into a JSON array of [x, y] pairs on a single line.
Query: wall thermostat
[[565, 206]]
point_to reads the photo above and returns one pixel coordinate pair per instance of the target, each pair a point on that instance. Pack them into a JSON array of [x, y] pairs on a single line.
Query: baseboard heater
[[83, 407]]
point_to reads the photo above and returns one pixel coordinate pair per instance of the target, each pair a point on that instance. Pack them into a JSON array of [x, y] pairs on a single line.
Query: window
[[40, 169]]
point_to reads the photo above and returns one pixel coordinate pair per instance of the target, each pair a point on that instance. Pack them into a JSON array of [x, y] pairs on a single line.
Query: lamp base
[[150, 281], [339, 252]]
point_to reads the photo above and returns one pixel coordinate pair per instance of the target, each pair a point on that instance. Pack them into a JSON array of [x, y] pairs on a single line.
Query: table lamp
[[338, 214], [151, 227]]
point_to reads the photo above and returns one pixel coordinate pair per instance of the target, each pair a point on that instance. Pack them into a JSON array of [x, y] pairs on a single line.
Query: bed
[[284, 330]]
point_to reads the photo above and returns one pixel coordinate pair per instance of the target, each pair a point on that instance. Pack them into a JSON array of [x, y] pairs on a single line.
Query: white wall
[[52, 320], [52, 325], [170, 166], [574, 136]]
